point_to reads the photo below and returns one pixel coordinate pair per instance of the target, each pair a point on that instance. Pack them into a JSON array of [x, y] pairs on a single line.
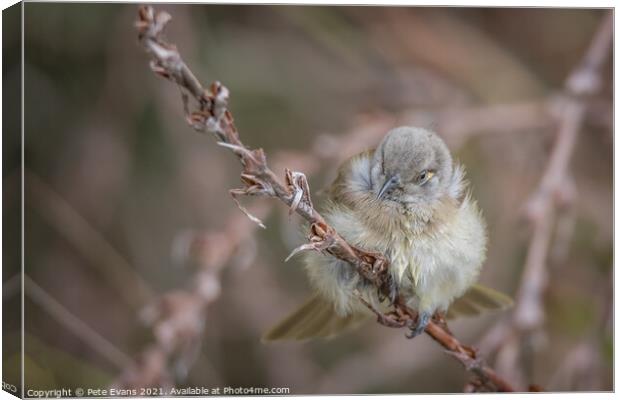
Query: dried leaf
[[234, 193], [298, 185], [303, 247], [239, 150]]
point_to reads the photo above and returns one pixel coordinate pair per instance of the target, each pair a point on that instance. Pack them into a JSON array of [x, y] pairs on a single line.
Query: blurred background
[[127, 207]]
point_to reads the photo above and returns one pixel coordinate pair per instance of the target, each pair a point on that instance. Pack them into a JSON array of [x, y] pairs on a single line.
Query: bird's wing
[[477, 300], [316, 318]]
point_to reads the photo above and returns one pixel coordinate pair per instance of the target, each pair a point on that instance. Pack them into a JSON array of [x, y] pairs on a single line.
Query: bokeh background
[[126, 205]]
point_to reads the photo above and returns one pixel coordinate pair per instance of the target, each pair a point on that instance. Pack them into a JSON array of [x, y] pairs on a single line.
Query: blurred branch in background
[[75, 325], [178, 318], [467, 57], [556, 193], [112, 266]]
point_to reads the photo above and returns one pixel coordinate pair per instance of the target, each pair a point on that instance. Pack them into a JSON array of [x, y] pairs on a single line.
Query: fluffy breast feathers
[[435, 250]]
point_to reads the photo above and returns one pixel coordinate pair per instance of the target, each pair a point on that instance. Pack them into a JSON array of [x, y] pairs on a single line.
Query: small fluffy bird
[[406, 199]]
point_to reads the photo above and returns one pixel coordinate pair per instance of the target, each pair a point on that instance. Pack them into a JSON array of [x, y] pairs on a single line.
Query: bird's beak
[[389, 184]]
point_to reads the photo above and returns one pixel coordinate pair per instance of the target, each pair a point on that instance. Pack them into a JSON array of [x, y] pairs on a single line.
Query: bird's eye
[[425, 176]]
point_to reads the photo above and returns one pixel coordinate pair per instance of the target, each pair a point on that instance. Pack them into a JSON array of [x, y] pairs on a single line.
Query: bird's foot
[[392, 319], [423, 320]]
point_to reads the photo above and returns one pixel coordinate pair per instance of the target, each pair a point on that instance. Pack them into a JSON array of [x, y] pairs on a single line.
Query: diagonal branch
[[79, 328], [212, 115]]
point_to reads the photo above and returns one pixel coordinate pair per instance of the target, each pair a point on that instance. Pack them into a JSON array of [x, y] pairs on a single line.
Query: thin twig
[[87, 241], [213, 116], [75, 325]]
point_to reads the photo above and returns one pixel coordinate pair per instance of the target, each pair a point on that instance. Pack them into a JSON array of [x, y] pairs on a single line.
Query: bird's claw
[[391, 320], [423, 320]]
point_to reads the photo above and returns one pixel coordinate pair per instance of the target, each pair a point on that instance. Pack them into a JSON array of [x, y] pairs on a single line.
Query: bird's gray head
[[411, 166]]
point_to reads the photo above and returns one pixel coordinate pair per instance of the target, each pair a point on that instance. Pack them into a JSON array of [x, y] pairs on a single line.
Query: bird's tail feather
[[477, 300], [316, 318]]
